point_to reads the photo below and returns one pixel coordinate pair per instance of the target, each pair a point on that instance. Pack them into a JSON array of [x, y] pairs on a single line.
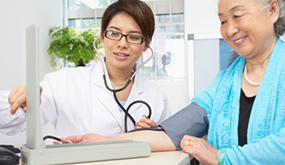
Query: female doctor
[[76, 100]]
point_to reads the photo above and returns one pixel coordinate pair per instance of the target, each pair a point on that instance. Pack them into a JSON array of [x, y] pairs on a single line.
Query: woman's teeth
[[239, 40]]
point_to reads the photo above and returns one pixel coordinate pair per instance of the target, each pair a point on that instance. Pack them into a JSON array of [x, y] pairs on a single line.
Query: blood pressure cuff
[[191, 120], [155, 128]]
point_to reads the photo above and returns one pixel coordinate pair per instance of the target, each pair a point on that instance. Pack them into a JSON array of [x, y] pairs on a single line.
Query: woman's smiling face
[[246, 26]]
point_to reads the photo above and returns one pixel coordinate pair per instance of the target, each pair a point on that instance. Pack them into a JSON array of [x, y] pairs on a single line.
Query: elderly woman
[[243, 109]]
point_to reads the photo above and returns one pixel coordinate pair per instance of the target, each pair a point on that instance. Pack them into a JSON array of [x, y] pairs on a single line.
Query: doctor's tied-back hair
[[138, 10]]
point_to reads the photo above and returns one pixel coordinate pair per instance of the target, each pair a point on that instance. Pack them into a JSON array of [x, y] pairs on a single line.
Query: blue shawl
[[266, 127]]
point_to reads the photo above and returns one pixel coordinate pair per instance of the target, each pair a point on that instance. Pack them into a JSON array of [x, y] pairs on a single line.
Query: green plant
[[72, 45]]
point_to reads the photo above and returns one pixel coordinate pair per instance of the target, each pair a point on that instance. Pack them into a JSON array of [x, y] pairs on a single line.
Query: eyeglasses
[[117, 36]]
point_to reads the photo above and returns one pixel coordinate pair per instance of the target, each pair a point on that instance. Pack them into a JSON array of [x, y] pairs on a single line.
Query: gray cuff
[[191, 120]]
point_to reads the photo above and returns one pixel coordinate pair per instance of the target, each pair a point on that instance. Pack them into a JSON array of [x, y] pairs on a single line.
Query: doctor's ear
[[146, 46]]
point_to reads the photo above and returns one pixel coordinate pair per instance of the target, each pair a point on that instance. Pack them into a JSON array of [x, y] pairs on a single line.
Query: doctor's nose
[[123, 43]]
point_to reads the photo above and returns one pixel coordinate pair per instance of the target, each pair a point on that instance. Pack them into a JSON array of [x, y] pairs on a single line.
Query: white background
[[16, 16]]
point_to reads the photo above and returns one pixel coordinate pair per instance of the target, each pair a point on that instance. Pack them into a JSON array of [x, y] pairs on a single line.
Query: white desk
[[165, 158]]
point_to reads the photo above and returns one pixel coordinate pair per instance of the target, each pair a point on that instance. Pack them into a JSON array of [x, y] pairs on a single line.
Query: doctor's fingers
[[16, 92], [142, 125], [15, 89], [63, 141], [20, 102], [148, 121], [72, 139]]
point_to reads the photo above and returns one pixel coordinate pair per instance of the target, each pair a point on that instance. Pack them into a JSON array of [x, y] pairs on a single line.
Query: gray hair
[[280, 23]]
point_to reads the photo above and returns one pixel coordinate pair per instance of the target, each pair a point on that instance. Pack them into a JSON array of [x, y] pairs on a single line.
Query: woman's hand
[[200, 149], [83, 139], [18, 97], [145, 122]]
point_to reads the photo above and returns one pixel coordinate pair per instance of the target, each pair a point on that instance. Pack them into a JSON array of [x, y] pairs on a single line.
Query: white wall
[[201, 18], [16, 16]]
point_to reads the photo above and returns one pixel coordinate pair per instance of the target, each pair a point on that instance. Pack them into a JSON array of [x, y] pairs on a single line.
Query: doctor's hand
[[83, 139], [200, 149], [17, 98], [145, 122]]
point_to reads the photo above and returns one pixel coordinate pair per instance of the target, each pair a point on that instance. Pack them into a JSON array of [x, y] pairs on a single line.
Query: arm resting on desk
[[191, 120], [159, 140]]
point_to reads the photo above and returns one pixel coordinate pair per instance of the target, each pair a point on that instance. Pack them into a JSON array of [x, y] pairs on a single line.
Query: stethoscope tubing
[[114, 91]]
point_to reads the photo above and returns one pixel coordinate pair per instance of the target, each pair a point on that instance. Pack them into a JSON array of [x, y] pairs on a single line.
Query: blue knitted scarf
[[221, 99]]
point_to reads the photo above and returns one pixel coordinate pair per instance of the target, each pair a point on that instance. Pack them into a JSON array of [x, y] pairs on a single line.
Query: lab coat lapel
[[137, 93], [104, 96]]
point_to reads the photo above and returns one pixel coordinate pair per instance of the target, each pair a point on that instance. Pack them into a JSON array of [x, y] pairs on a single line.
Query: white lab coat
[[76, 101]]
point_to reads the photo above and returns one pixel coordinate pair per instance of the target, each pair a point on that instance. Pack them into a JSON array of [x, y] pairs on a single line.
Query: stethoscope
[[114, 91]]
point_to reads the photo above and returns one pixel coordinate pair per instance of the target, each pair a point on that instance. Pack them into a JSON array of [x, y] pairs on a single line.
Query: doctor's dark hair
[[138, 10]]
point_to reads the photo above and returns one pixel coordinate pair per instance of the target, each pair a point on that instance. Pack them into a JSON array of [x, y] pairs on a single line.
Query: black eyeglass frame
[[123, 35]]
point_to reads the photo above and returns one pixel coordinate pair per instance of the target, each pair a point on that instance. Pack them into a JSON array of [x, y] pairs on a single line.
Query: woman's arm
[[190, 120], [159, 140]]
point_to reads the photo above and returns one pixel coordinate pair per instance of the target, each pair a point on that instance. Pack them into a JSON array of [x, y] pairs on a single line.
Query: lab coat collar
[[103, 94], [107, 99], [137, 93], [98, 75], [98, 79]]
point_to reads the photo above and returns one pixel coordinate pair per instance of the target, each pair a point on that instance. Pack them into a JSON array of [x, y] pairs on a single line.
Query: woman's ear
[[274, 10]]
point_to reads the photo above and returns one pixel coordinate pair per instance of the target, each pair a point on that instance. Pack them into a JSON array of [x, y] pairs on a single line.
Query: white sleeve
[[54, 92], [48, 100], [10, 124]]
